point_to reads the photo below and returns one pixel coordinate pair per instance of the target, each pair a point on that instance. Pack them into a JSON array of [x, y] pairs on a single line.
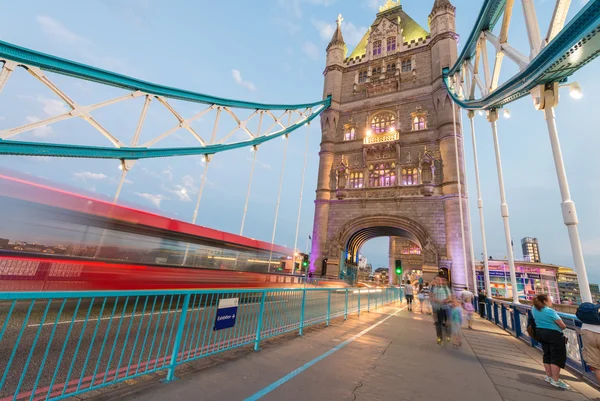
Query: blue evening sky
[[274, 51]]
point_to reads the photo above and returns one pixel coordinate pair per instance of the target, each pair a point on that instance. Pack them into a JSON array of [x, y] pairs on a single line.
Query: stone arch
[[358, 231]]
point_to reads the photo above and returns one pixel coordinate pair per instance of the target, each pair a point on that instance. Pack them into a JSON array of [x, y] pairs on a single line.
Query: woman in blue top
[[549, 331]]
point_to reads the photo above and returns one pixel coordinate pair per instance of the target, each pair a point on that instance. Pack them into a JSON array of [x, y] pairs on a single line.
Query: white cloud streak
[[237, 77], [155, 199]]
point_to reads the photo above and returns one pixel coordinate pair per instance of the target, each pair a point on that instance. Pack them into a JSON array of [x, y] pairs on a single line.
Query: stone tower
[[387, 161]]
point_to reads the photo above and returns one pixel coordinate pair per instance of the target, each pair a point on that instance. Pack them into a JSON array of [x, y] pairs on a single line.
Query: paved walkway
[[390, 354]]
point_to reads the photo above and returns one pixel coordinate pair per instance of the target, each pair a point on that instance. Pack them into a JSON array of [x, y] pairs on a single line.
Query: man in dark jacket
[[481, 302]]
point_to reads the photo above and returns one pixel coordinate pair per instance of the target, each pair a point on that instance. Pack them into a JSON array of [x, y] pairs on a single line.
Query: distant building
[[3, 243], [531, 249], [568, 287]]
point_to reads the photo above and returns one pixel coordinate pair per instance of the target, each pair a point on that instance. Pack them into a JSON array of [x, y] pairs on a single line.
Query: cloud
[[374, 4], [168, 173], [53, 107], [58, 31], [154, 199], [287, 24], [88, 175], [42, 131], [84, 46], [311, 50], [352, 34], [262, 164], [237, 77]]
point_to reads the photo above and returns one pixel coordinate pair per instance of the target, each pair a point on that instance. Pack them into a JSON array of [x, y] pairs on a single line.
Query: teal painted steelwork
[[149, 337], [555, 62], [19, 148], [58, 65], [519, 322]]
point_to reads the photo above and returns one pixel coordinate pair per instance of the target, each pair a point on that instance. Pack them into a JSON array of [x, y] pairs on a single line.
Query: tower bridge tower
[[387, 160]]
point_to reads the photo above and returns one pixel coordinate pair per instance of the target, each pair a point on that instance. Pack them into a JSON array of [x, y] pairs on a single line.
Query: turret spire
[[337, 38]]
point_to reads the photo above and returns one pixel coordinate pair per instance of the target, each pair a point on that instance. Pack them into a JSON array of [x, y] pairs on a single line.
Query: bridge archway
[[357, 232]]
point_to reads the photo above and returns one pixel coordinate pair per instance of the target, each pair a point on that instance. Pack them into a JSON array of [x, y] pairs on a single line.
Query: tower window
[[391, 44], [376, 71], [410, 176], [407, 65], [419, 122], [356, 180], [382, 175], [377, 47], [350, 135], [382, 122], [362, 77], [391, 67]]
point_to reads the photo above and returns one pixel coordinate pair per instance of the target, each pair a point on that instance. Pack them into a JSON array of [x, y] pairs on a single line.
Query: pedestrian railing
[[513, 318], [60, 344]]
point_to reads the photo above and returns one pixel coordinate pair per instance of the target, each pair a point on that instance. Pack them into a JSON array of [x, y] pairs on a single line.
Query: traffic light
[[398, 267], [304, 260]]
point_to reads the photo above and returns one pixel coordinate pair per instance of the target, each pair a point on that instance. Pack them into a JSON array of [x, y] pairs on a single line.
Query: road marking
[[307, 365], [92, 319]]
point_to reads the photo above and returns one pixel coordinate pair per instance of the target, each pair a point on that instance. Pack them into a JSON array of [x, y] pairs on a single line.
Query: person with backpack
[[549, 332], [589, 314]]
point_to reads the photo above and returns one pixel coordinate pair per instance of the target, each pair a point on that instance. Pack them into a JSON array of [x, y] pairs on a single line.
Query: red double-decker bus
[[54, 240]]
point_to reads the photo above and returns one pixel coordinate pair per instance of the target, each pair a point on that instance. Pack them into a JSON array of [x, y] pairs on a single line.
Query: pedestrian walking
[[481, 303], [549, 332], [466, 298], [409, 294], [440, 297], [456, 322]]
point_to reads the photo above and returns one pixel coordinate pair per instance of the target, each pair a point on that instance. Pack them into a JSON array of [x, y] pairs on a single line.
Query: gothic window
[[350, 134], [377, 47], [376, 71], [419, 121], [382, 175], [382, 122], [362, 77], [391, 44], [391, 67], [407, 65], [426, 174], [356, 180], [410, 176]]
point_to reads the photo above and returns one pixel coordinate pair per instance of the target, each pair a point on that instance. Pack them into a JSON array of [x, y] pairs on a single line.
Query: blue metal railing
[[57, 345], [513, 318]]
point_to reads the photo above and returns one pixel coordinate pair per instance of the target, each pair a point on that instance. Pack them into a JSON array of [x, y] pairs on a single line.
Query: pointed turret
[[442, 4], [338, 38]]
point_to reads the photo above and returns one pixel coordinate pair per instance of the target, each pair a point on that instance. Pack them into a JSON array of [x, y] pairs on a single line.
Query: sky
[[274, 51]]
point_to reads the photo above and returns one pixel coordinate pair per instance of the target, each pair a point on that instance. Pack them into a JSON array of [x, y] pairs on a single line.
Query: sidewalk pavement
[[388, 354]]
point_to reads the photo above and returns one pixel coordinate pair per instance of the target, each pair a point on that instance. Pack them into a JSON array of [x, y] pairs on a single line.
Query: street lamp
[[506, 113], [575, 90]]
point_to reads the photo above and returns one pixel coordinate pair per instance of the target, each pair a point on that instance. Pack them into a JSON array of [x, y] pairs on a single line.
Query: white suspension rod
[[460, 199], [486, 267], [287, 137], [301, 193]]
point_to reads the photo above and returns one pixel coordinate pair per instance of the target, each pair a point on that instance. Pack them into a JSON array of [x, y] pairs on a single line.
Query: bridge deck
[[385, 355]]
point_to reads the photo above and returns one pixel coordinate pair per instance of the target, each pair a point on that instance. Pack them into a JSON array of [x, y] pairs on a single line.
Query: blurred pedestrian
[[549, 332], [456, 322], [481, 297], [440, 297], [409, 294]]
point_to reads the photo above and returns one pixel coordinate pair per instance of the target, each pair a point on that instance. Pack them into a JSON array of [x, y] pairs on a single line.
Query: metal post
[[460, 198], [359, 302], [568, 207], [486, 267], [302, 309], [180, 326], [368, 300], [260, 320], [346, 306], [503, 315], [328, 307], [493, 119], [516, 321]]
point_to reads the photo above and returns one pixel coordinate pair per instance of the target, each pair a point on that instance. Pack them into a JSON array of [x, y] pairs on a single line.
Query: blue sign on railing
[[226, 313]]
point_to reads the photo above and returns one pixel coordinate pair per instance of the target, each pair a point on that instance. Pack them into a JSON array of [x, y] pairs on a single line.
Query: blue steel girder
[[576, 45], [47, 62], [19, 148], [30, 59]]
